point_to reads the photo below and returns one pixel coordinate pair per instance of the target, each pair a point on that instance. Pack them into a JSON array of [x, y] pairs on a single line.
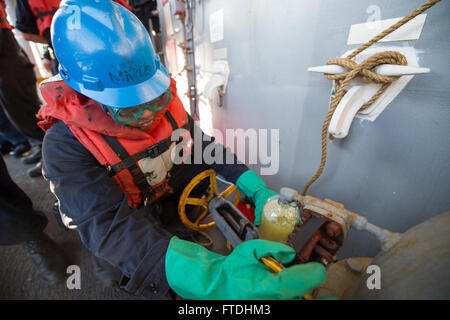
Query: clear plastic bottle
[[278, 219]]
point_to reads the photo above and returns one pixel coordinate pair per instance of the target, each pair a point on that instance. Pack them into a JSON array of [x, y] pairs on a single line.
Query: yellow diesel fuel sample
[[278, 219]]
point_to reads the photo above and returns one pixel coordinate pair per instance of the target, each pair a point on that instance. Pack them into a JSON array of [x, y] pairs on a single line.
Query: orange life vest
[[136, 159], [44, 10], [4, 24]]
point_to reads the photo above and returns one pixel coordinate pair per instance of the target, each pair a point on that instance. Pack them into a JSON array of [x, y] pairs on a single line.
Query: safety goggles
[[126, 116]]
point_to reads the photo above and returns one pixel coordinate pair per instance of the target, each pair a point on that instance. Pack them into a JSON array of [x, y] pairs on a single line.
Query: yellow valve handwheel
[[203, 201]]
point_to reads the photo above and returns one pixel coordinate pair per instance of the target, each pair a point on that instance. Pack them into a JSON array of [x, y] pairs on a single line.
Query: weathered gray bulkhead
[[394, 171]]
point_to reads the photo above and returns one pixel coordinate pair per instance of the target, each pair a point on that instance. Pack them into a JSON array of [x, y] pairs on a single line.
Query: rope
[[363, 70]]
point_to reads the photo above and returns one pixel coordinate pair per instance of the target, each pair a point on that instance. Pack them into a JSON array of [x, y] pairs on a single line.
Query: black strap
[[42, 14], [171, 120], [152, 152], [129, 163]]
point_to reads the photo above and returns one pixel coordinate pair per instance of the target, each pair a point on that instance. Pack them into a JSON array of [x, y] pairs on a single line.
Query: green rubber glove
[[194, 272], [250, 184]]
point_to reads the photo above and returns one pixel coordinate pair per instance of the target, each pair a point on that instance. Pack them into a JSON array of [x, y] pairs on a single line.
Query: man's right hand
[[193, 272]]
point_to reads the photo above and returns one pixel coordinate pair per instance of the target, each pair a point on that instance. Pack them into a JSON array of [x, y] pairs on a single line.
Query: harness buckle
[[109, 169], [153, 151]]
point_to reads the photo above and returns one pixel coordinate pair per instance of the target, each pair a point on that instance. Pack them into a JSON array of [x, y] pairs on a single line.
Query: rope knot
[[364, 69]]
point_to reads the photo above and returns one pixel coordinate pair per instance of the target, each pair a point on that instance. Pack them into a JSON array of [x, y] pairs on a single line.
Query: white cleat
[[384, 70]]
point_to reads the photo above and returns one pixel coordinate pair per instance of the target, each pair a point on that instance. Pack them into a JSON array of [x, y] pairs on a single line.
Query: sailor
[[109, 119]]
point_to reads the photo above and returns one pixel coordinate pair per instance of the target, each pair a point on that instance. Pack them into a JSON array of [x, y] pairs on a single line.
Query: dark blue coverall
[[132, 240]]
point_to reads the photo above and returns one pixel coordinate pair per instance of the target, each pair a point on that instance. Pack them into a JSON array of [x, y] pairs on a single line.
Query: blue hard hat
[[106, 53]]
